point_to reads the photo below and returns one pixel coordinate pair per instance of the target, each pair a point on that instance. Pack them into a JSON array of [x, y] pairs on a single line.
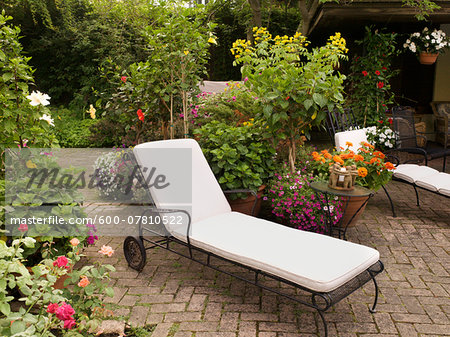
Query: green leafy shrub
[[240, 156], [73, 132]]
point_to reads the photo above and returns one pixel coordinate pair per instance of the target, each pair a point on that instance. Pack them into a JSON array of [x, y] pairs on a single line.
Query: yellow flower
[[30, 164], [92, 111], [186, 52], [212, 40]]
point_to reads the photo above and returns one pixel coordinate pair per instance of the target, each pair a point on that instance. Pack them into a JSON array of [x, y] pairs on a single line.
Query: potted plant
[[372, 170], [427, 44], [241, 157], [381, 135]]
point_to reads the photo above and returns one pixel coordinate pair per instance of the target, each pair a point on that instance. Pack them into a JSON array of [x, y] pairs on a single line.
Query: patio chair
[[340, 120], [327, 268], [408, 139], [441, 111]]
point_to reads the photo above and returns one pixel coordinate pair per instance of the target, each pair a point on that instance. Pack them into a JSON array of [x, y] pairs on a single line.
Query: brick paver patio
[[184, 298]]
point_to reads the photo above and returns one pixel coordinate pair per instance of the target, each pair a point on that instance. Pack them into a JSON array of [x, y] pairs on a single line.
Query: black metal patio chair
[[408, 140]]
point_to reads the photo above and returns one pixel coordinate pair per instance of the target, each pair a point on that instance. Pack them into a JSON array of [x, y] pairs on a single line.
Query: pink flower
[[233, 98], [123, 79], [60, 262], [23, 227], [245, 79], [51, 308], [106, 250], [65, 312], [74, 242], [69, 323]]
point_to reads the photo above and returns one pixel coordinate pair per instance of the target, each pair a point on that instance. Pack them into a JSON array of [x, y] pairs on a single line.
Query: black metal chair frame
[[413, 138], [417, 186], [135, 254]]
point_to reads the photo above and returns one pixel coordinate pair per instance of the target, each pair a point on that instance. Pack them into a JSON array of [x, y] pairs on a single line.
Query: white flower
[[48, 119], [37, 97]]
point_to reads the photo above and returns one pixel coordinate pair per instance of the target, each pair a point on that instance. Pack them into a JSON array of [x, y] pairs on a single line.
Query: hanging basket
[[427, 58]]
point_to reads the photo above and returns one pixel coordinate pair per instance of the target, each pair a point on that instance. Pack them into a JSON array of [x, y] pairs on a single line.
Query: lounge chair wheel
[[134, 251]]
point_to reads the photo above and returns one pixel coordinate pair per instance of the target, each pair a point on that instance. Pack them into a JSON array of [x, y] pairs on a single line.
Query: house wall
[[442, 75]]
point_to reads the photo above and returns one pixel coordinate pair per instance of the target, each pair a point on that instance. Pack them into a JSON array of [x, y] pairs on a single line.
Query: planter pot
[[353, 205], [245, 205], [427, 58], [59, 284]]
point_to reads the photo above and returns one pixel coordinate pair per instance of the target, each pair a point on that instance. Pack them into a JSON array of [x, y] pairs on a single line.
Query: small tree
[[294, 85]]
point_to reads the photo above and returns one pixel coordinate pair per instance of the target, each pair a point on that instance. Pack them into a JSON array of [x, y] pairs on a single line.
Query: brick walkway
[[184, 298]]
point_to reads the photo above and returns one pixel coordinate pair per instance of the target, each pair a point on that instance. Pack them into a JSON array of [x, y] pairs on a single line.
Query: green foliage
[[240, 156], [73, 132], [423, 7], [21, 122], [369, 91], [294, 86]]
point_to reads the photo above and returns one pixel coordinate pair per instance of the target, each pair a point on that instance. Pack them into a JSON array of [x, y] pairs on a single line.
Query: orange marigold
[[327, 155], [358, 157], [375, 160], [338, 159], [349, 143], [389, 166], [379, 154], [362, 172]]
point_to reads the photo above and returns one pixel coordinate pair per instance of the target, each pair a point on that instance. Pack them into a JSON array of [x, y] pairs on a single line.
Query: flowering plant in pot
[[427, 43], [373, 171], [294, 203], [241, 157]]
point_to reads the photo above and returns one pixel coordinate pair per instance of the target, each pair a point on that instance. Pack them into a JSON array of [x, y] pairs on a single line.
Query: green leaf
[[7, 76], [17, 327], [308, 103], [5, 308], [320, 100]]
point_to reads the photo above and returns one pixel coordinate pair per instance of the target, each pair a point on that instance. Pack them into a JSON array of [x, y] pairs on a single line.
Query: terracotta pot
[[353, 205], [428, 58], [245, 205]]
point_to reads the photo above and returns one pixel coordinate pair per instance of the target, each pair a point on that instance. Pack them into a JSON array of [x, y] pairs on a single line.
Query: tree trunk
[[307, 15], [255, 5], [292, 154]]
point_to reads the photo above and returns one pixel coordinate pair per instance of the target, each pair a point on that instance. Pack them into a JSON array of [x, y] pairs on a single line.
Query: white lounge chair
[[328, 268]]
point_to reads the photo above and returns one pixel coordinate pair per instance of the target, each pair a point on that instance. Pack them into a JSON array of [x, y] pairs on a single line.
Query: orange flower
[[379, 154], [389, 166], [362, 172], [106, 250], [327, 155], [324, 151], [84, 282], [338, 159], [349, 144], [363, 150], [358, 157], [375, 160], [74, 242]]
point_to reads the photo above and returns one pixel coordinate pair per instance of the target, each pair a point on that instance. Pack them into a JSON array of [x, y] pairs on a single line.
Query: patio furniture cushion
[[439, 182], [354, 136], [318, 262], [411, 172], [207, 196]]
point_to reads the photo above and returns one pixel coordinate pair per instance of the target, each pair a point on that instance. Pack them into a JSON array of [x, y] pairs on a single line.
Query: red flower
[[69, 324], [51, 308], [384, 68], [365, 73], [123, 79], [65, 312], [23, 227], [380, 85], [381, 122], [60, 262], [377, 72], [390, 121], [140, 115], [287, 98]]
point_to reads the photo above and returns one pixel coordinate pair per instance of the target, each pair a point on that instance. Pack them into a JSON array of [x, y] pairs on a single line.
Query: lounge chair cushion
[[315, 261], [356, 137], [411, 173], [207, 196]]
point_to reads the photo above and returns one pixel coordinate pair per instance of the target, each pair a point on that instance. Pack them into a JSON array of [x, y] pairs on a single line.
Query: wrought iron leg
[[390, 201], [325, 326], [417, 195], [373, 309]]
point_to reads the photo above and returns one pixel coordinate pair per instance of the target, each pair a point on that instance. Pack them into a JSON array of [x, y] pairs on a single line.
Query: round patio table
[[323, 188]]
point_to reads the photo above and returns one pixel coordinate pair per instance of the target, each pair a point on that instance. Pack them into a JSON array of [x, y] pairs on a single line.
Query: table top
[[358, 191]]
